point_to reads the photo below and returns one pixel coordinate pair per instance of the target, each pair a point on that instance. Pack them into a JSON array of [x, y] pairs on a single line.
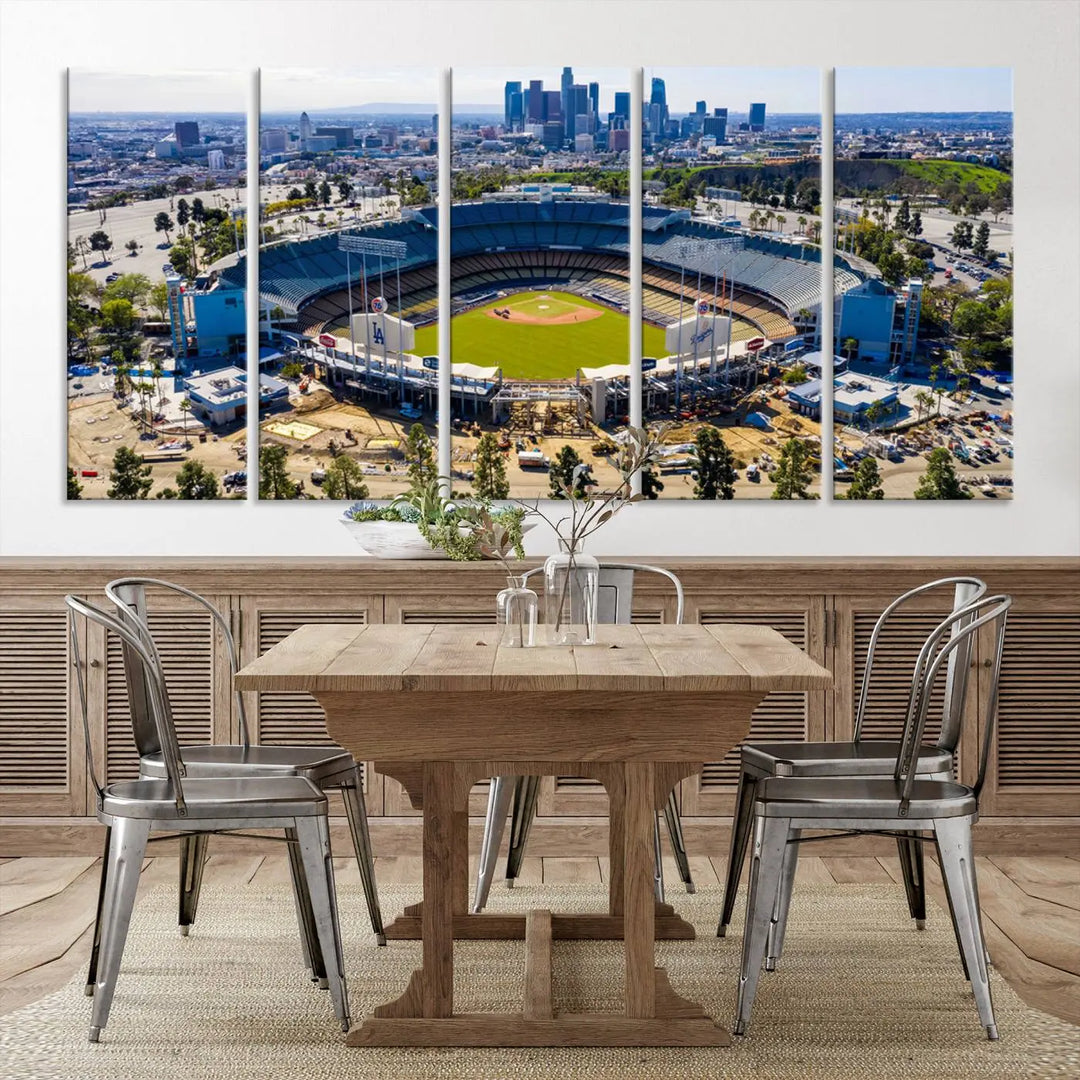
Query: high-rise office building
[[757, 116], [517, 111], [215, 159], [716, 125], [552, 106], [344, 136], [576, 104], [659, 93], [622, 104], [187, 133], [594, 100], [509, 91], [658, 111], [305, 131], [565, 83], [535, 106]]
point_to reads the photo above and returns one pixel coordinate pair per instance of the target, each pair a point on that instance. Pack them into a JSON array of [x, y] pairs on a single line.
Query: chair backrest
[[966, 590], [152, 682], [615, 593], [944, 642], [128, 594]]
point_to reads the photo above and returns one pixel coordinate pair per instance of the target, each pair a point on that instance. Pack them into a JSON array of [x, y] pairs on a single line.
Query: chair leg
[[192, 862], [313, 834], [783, 901], [955, 853], [526, 792], [126, 850], [911, 865], [658, 861], [766, 866], [95, 949], [356, 813], [305, 919], [678, 844], [500, 795], [741, 826]]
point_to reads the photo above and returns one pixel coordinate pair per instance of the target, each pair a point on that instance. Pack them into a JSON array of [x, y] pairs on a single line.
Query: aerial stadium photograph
[[155, 206], [540, 334], [923, 376], [732, 279], [347, 280]]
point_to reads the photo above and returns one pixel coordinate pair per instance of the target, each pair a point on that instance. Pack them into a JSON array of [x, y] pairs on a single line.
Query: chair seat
[[863, 758], [219, 797], [230, 759], [861, 798]]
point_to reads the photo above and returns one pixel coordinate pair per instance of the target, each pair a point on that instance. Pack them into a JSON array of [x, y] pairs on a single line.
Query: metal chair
[[860, 757], [614, 605], [902, 806], [184, 806], [327, 767]]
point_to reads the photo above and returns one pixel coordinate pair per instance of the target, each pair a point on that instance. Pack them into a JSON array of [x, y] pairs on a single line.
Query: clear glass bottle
[[516, 608], [571, 585]]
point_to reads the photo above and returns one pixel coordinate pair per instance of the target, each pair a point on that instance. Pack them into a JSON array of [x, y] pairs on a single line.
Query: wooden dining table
[[441, 707]]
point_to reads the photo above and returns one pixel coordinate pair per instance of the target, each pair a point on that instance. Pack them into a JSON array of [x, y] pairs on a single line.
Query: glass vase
[[515, 609], [571, 584]]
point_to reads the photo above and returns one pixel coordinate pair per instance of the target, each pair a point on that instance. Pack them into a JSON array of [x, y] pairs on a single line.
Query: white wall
[[1039, 40]]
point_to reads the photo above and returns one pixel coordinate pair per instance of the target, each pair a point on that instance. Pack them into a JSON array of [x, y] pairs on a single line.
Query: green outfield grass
[[536, 351]]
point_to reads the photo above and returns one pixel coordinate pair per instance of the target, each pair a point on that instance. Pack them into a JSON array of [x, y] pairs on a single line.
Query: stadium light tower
[[364, 246], [686, 250]]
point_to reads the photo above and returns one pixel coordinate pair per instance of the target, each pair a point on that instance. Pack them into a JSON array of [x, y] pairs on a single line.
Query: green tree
[[651, 484], [915, 228], [980, 246], [274, 482], [117, 323], [294, 195], [850, 347], [902, 221], [183, 183], [867, 482], [489, 477], [715, 465], [344, 479], [561, 474], [325, 193], [794, 472], [158, 299], [74, 488], [311, 190], [182, 258], [185, 408], [789, 193], [183, 212], [940, 480], [130, 478], [100, 241], [961, 235], [874, 412], [420, 454], [132, 287], [196, 481], [344, 189], [132, 247]]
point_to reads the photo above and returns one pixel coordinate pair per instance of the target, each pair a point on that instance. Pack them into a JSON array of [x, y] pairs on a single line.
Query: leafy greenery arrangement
[[461, 528]]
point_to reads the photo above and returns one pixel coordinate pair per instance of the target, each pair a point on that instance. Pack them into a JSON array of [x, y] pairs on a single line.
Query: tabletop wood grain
[[726, 657]]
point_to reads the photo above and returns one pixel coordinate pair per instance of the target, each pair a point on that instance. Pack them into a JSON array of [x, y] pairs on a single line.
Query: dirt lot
[[91, 445]]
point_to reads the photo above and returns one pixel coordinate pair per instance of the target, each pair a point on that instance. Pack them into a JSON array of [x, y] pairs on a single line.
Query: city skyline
[[485, 85], [784, 90], [923, 89]]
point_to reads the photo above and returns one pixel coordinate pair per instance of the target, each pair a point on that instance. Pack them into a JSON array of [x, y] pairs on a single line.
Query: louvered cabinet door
[[196, 670], [285, 718], [1034, 764], [42, 760], [783, 716], [437, 609], [895, 655]]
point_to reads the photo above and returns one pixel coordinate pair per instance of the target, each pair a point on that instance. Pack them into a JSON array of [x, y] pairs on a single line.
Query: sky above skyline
[[923, 89], [784, 90], [180, 92], [311, 89]]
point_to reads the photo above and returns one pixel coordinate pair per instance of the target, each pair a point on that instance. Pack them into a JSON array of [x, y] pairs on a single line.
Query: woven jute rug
[[860, 994]]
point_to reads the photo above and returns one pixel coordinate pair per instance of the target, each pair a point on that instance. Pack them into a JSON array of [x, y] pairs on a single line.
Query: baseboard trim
[[550, 837]]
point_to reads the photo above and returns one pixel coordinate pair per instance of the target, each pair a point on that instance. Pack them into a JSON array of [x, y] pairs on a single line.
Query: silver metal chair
[[184, 806], [901, 806], [860, 757], [520, 793], [327, 767]]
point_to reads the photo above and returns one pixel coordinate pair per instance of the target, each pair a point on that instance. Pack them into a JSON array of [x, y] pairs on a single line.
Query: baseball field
[[540, 335]]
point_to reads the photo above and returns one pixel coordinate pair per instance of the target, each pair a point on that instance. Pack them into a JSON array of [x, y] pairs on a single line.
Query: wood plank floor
[[1031, 908]]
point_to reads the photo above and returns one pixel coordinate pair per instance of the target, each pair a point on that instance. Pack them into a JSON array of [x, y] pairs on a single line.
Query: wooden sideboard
[[1031, 801]]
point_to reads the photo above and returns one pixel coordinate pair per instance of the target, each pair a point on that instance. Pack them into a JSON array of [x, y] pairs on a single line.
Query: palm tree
[[185, 408], [781, 221], [801, 219]]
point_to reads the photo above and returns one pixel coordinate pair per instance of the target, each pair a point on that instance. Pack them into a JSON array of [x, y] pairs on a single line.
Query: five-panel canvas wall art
[[722, 304]]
